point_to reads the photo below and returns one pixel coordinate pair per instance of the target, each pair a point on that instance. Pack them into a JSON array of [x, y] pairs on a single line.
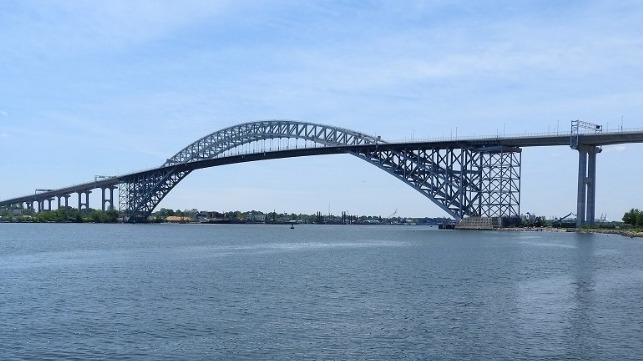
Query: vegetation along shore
[[630, 226]]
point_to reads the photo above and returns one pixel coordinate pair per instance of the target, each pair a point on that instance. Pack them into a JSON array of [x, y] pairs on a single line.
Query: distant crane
[[559, 221], [393, 214]]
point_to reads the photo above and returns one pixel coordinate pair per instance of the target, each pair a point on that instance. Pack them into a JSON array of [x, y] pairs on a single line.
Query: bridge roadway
[[586, 139]]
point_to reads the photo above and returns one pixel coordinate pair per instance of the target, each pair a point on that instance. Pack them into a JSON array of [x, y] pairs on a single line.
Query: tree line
[[633, 217], [63, 215]]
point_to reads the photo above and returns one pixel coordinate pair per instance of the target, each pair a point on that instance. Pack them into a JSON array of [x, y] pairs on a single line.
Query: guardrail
[[506, 136]]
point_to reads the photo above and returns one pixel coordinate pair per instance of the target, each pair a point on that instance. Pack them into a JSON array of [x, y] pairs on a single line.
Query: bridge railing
[[502, 135]]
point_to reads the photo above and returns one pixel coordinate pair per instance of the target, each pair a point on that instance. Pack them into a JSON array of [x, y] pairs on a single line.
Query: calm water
[[262, 292]]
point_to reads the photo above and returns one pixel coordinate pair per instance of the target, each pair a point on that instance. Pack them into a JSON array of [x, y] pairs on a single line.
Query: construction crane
[[559, 221]]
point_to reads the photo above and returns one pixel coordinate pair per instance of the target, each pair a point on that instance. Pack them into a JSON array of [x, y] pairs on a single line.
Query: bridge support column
[[80, 200], [66, 197], [44, 205], [586, 201], [109, 200]]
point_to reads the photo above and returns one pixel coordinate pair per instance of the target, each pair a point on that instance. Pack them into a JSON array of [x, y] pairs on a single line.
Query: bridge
[[477, 177]]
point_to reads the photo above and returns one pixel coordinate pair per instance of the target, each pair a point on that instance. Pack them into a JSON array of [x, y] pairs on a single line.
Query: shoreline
[[618, 232], [624, 233]]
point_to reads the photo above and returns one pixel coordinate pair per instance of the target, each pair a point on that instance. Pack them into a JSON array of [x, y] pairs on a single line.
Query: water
[[260, 292]]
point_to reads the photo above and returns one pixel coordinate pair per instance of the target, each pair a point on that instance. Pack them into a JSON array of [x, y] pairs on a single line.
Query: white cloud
[[619, 148], [71, 28]]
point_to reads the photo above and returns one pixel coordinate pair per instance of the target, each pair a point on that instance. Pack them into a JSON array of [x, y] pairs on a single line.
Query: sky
[[110, 87]]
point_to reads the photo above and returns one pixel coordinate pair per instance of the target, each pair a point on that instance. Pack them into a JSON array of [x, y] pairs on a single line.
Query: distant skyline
[[111, 87]]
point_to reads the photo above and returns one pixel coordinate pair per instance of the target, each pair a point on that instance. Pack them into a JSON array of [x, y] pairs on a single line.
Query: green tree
[[96, 217], [111, 216], [633, 217], [540, 221]]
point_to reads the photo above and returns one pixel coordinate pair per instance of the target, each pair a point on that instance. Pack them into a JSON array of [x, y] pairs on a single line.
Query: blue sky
[[108, 87]]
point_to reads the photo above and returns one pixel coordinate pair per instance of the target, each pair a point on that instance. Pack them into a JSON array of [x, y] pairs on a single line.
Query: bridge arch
[[215, 144], [452, 178], [140, 194]]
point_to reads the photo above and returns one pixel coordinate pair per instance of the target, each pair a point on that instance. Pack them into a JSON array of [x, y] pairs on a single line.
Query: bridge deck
[[594, 139]]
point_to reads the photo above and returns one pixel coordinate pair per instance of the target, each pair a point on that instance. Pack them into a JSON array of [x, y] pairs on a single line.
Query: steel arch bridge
[[462, 179]]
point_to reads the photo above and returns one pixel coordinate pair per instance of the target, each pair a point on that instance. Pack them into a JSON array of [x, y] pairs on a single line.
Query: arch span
[[452, 178], [215, 144]]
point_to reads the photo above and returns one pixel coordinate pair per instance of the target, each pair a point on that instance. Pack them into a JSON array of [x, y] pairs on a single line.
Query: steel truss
[[139, 195], [446, 176], [462, 181], [218, 143], [500, 191]]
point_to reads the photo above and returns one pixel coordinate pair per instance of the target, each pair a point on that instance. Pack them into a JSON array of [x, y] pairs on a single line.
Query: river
[[268, 292]]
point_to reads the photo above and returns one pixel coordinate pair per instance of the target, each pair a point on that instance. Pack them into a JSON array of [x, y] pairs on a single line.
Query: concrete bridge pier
[[109, 199], [80, 200], [66, 197], [586, 201], [44, 204]]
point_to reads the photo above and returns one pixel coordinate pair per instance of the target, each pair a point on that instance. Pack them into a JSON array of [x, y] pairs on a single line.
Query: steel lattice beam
[[139, 195], [500, 186], [461, 181]]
